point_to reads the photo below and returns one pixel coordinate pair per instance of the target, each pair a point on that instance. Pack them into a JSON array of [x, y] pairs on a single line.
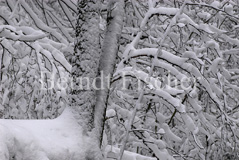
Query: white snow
[[113, 152], [42, 25], [153, 51], [230, 40], [192, 55], [170, 134], [110, 113], [172, 90], [189, 122], [215, 65], [214, 87], [194, 104], [160, 117], [57, 139]]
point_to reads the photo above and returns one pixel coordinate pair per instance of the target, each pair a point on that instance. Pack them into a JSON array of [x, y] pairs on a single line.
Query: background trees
[[191, 39], [174, 93]]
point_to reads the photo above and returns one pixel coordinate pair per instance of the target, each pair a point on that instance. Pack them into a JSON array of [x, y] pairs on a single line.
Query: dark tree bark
[[85, 62]]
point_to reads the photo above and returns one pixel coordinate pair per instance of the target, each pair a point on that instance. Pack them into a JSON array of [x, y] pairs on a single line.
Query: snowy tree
[[173, 94], [179, 100], [90, 67], [36, 38], [87, 38]]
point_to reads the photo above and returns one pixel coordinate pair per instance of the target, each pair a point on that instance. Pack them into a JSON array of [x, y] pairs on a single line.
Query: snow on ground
[[58, 139]]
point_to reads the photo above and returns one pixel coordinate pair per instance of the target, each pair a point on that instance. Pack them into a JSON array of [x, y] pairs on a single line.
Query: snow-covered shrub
[[36, 38], [178, 71]]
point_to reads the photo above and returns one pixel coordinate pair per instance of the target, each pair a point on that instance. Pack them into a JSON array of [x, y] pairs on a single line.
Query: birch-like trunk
[[85, 63], [107, 62], [87, 102]]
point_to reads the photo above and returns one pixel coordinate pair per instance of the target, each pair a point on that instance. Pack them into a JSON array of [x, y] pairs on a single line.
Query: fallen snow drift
[[58, 139]]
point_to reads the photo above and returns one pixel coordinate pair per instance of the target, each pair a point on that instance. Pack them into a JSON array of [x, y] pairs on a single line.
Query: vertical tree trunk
[[107, 61], [87, 103], [85, 62]]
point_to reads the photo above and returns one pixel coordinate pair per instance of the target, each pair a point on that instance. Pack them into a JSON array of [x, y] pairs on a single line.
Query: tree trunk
[[85, 62], [88, 97], [107, 62]]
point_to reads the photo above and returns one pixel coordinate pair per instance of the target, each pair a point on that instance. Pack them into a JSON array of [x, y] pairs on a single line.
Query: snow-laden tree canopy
[[178, 66], [174, 92], [36, 38]]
